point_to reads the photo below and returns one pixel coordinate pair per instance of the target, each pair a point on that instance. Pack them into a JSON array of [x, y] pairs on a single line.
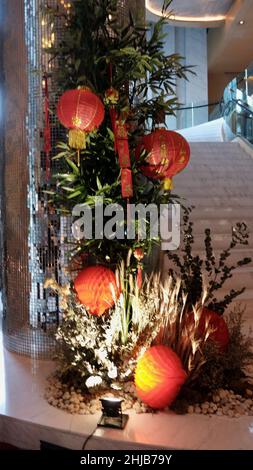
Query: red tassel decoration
[[139, 255], [139, 276]]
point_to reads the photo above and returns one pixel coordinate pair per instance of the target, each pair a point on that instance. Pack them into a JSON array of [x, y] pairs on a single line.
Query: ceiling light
[[241, 22], [200, 19]]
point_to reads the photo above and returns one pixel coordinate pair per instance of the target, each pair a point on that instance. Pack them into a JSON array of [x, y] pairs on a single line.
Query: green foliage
[[211, 272], [95, 40]]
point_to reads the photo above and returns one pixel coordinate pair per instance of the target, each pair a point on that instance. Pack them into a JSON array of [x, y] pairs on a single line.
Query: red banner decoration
[[123, 153], [121, 145], [126, 183], [47, 130], [121, 138]]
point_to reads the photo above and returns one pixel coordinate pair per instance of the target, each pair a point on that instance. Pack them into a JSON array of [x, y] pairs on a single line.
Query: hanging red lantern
[[97, 289], [168, 154], [159, 376], [211, 320], [81, 111]]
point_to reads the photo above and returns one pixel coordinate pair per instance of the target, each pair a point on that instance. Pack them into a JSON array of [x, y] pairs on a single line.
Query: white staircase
[[212, 131], [219, 183]]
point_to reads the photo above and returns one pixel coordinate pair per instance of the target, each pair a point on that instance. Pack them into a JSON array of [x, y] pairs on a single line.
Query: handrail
[[198, 106], [243, 105], [227, 109], [222, 106], [236, 107]]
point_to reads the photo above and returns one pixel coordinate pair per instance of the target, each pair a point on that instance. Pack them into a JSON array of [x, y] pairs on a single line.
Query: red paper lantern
[[210, 319], [159, 376], [80, 111], [168, 154], [97, 289]]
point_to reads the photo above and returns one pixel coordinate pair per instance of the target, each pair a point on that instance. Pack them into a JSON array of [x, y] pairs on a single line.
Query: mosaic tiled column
[[32, 235], [25, 225], [15, 180]]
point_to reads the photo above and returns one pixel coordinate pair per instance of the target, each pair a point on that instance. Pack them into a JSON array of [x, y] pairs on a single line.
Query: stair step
[[240, 280], [220, 241], [218, 182], [227, 213], [226, 192], [212, 201], [247, 295], [220, 226], [236, 255], [212, 158]]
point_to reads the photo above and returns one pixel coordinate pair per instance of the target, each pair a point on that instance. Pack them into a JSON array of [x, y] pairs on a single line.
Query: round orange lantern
[[211, 320], [97, 289], [81, 111], [159, 376], [168, 154]]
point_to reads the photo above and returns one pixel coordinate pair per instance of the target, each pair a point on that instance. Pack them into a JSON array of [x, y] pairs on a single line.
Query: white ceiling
[[195, 10]]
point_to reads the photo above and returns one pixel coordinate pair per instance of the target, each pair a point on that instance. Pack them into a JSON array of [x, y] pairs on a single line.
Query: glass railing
[[190, 115], [236, 107]]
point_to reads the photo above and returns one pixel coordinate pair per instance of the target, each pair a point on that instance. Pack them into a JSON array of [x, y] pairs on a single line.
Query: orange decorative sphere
[[210, 319], [80, 109], [159, 376], [168, 154], [97, 289]]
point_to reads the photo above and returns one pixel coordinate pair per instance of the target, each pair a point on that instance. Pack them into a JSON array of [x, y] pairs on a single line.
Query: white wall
[[190, 43]]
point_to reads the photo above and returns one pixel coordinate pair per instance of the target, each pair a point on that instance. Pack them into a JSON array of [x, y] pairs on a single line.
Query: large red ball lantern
[[81, 111], [211, 320], [168, 154], [159, 376], [97, 289]]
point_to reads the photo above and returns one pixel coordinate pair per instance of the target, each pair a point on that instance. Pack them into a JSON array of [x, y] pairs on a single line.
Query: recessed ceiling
[[193, 10]]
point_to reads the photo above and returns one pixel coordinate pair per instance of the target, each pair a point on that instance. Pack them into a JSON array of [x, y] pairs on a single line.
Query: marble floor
[[26, 419]]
